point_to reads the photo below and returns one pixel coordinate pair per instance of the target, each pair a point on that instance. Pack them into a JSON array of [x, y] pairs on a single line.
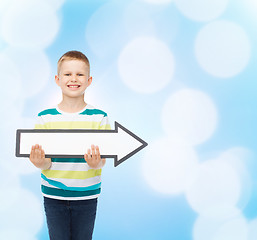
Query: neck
[[72, 105]]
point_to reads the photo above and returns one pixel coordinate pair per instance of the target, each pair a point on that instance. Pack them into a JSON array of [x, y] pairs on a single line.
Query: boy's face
[[73, 78]]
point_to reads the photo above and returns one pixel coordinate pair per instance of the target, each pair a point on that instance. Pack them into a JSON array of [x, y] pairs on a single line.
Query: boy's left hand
[[93, 158]]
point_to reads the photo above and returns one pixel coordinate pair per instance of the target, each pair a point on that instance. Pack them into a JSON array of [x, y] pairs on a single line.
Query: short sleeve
[[104, 124], [39, 123]]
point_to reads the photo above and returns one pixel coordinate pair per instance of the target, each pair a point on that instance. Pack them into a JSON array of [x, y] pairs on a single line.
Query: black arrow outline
[[117, 126]]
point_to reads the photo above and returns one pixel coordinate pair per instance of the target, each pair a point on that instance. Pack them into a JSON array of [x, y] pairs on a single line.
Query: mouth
[[73, 86]]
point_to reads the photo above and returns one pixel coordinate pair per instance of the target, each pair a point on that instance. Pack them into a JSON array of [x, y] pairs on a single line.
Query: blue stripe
[[51, 111], [93, 111], [64, 187], [72, 160], [66, 193]]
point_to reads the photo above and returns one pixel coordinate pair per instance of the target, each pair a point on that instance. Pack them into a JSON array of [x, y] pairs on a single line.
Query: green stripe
[[93, 111], [64, 187], [71, 125], [51, 111], [72, 174], [67, 193], [70, 160]]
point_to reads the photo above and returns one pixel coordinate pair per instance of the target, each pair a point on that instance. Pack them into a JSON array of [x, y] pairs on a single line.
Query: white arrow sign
[[119, 144]]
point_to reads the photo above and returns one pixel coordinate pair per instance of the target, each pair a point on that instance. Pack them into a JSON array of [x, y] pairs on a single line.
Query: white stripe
[[74, 182], [70, 166], [72, 198], [70, 118]]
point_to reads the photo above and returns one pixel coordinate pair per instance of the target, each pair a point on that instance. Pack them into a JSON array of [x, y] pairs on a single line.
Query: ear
[[57, 80], [89, 81]]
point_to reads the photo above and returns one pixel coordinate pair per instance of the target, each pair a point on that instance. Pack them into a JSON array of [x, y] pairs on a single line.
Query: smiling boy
[[71, 186]]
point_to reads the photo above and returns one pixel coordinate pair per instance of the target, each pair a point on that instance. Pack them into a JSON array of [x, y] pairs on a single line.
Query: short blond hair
[[73, 55]]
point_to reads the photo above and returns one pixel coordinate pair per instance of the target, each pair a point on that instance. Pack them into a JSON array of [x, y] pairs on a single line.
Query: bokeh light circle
[[158, 1], [146, 65], [201, 10], [10, 82], [221, 229], [18, 166], [252, 229], [189, 115], [30, 24], [106, 23], [21, 234], [222, 49], [56, 4], [34, 68], [9, 185], [26, 213], [167, 165], [239, 158], [236, 229], [214, 189]]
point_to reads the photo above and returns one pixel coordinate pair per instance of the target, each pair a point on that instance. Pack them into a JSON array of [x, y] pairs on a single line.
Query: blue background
[[129, 206]]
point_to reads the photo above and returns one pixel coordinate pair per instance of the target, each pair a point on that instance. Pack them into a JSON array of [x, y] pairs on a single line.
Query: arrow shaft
[[68, 143], [119, 144]]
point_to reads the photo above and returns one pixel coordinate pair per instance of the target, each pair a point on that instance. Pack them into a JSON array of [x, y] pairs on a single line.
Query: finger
[[88, 152], [88, 155], [97, 151], [103, 161], [93, 150], [42, 153], [36, 153], [32, 153]]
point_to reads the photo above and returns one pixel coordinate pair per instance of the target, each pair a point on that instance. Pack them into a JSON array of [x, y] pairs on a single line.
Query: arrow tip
[[137, 142]]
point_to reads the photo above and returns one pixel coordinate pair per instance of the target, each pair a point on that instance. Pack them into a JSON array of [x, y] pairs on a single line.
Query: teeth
[[73, 86]]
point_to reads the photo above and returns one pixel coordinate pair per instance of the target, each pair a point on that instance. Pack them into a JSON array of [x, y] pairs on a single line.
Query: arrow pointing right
[[128, 144], [119, 143]]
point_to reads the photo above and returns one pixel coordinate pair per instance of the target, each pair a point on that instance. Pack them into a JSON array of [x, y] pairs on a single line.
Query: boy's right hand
[[37, 157]]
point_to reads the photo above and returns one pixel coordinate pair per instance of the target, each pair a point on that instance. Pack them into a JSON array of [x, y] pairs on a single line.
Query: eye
[[67, 74], [80, 74]]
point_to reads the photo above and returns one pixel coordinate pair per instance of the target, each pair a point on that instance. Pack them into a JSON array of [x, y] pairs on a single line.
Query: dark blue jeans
[[70, 220]]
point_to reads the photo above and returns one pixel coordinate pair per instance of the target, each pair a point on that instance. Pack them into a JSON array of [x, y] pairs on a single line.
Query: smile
[[73, 86]]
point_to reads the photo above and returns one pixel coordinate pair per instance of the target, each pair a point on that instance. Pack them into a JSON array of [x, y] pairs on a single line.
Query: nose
[[74, 78]]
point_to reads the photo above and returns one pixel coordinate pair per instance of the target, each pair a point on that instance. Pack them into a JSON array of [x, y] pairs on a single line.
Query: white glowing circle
[[26, 213], [138, 20], [220, 229], [236, 229], [17, 233], [56, 4], [222, 49], [252, 230], [238, 157], [146, 65], [204, 228], [158, 1], [214, 189], [106, 23], [9, 185], [167, 165], [142, 20], [4, 5], [251, 6], [189, 115], [18, 166], [34, 68], [10, 82], [30, 24], [201, 10]]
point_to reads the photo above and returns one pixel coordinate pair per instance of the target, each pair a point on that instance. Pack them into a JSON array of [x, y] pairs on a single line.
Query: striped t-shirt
[[71, 178]]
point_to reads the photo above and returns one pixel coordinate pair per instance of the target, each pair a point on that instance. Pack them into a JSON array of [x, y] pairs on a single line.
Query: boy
[[70, 186]]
